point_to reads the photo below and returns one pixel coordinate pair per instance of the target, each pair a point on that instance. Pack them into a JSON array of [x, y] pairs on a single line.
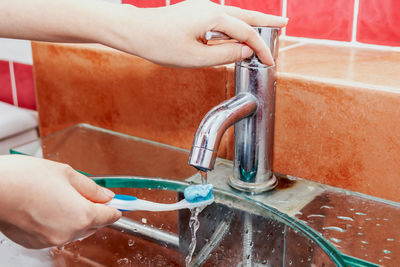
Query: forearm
[[58, 20]]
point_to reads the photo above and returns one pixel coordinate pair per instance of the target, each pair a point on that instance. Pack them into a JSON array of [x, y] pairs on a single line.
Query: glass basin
[[301, 223]]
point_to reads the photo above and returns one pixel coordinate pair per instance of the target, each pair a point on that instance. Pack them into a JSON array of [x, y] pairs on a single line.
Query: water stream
[[194, 223]]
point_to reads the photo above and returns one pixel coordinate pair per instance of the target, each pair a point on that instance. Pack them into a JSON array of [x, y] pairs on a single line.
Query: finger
[[89, 189], [255, 18], [239, 30], [224, 53], [105, 215]]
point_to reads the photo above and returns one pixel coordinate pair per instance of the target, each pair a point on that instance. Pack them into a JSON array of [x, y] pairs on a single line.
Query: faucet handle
[[214, 35], [268, 34]]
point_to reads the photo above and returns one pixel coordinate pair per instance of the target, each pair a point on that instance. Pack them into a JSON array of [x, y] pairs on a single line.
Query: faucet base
[[270, 184]]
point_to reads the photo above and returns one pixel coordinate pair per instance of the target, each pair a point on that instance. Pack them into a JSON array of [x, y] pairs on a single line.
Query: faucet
[[252, 111]]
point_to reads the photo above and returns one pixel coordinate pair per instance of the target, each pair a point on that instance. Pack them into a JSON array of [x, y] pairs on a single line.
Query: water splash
[[386, 251], [194, 225]]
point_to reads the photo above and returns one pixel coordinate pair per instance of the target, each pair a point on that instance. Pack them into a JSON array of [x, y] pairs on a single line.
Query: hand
[[173, 35], [44, 203]]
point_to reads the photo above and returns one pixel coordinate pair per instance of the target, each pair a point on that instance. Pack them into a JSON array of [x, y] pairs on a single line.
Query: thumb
[[105, 215], [225, 53], [89, 189]]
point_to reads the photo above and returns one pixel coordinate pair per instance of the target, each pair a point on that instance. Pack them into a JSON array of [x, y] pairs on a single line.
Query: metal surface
[[132, 227], [213, 126], [211, 35], [253, 134]]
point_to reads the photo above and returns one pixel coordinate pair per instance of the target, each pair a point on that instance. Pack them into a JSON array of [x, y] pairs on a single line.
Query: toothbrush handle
[[122, 202], [130, 203]]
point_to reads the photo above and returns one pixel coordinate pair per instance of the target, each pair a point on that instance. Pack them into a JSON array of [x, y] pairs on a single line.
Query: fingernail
[[246, 51], [108, 192]]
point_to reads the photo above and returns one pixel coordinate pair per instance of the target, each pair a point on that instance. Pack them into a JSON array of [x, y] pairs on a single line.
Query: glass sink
[[301, 223]]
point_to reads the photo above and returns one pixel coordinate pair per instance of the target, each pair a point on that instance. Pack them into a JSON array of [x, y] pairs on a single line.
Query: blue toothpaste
[[197, 193]]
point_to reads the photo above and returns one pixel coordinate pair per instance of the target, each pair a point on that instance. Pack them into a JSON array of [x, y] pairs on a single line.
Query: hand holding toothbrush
[[45, 203]]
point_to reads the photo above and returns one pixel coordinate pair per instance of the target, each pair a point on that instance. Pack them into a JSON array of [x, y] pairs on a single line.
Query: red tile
[[5, 83], [25, 87], [378, 22], [328, 19], [172, 2], [273, 7], [145, 3]]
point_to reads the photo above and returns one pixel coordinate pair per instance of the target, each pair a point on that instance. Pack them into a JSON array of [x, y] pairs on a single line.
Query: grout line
[[341, 82], [284, 14], [290, 47], [13, 85], [341, 43], [355, 21]]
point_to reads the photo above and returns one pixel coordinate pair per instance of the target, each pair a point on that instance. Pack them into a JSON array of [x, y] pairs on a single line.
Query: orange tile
[[345, 64], [338, 135]]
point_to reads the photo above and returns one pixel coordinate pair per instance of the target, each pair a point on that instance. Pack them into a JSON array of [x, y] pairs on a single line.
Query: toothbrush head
[[198, 193]]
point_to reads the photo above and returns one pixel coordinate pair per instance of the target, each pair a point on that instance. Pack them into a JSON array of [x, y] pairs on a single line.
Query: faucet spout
[[213, 126]]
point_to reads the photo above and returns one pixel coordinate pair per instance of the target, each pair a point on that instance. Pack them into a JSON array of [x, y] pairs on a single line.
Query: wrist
[[122, 29]]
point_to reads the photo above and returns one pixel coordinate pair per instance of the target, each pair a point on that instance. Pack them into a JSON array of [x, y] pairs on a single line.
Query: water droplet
[[360, 213], [334, 228], [364, 242], [290, 262], [378, 224], [368, 219], [123, 261], [386, 251], [326, 207], [131, 242], [315, 215], [390, 239], [144, 220], [360, 233], [345, 218], [336, 240]]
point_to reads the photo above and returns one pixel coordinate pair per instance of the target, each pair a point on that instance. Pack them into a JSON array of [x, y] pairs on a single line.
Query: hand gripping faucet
[[252, 111]]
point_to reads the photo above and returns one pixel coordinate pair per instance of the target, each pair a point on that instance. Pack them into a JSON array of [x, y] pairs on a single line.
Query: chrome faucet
[[252, 111]]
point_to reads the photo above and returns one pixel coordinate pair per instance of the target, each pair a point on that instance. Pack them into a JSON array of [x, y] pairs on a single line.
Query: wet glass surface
[[357, 226]]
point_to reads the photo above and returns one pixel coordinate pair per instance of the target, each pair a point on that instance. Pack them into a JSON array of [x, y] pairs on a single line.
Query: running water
[[203, 176], [194, 223], [194, 226]]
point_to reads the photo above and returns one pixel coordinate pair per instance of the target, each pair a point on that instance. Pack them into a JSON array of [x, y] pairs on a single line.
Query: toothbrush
[[195, 196]]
